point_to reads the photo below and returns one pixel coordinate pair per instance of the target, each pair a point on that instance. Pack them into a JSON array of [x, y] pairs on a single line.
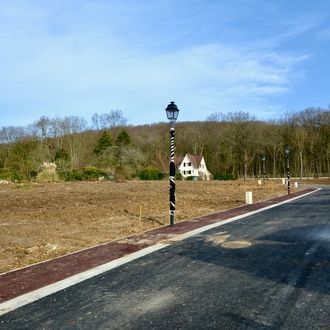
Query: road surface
[[270, 270]]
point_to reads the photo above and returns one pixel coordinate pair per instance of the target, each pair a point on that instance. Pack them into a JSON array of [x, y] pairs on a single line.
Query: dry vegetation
[[42, 221]]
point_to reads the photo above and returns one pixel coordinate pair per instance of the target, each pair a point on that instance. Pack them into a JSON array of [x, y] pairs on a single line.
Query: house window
[[189, 172], [184, 172], [189, 164], [184, 164]]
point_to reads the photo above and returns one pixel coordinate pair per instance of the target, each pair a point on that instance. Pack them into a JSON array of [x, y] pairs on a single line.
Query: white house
[[192, 165]]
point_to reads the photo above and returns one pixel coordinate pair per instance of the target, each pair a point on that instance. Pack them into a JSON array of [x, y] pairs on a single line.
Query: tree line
[[235, 144]]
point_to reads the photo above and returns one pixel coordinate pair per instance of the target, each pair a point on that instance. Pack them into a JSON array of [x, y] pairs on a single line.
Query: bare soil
[[43, 221]]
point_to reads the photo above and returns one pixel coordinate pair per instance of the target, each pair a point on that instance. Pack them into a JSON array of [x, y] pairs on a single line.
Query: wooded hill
[[232, 144]]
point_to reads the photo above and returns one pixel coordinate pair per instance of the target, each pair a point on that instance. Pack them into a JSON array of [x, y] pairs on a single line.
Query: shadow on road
[[298, 256]]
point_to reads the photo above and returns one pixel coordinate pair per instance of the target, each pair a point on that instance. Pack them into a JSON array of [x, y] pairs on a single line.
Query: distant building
[[195, 166]]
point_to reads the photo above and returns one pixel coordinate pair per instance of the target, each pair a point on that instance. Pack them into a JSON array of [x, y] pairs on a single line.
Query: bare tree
[[11, 134], [243, 138], [96, 121], [111, 121], [75, 125], [43, 124]]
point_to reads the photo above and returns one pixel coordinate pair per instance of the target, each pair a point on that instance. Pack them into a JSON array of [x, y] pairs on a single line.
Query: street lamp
[[263, 166], [172, 113], [287, 152]]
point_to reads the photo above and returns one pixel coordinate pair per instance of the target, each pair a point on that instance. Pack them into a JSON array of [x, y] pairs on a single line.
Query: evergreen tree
[[103, 143], [123, 139]]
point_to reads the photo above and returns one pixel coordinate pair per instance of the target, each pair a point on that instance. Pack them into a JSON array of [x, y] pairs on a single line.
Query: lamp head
[[172, 112]]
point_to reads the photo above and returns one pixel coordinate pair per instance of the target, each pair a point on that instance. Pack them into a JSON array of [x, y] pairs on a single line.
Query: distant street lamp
[[172, 113], [263, 166], [287, 152]]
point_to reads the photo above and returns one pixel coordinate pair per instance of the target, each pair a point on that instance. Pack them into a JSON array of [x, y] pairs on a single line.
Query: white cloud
[[79, 60]]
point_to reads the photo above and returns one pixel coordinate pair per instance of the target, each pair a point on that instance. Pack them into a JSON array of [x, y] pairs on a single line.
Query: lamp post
[[287, 152], [172, 113], [263, 166]]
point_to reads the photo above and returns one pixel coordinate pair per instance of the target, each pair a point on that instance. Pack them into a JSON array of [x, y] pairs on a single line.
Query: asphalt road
[[267, 271]]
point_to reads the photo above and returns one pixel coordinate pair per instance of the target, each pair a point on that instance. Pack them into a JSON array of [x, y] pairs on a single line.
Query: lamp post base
[[171, 219]]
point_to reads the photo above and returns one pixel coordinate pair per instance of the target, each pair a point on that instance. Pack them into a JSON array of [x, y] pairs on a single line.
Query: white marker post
[[248, 197]]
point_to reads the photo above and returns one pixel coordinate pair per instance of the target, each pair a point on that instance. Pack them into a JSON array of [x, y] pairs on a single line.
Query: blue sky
[[78, 57]]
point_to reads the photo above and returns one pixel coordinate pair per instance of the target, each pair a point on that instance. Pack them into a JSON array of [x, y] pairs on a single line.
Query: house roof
[[178, 161], [195, 160]]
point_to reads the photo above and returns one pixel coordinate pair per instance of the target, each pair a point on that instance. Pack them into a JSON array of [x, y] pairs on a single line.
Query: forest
[[235, 145]]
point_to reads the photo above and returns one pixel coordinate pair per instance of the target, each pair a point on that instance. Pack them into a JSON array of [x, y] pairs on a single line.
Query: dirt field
[[42, 221]]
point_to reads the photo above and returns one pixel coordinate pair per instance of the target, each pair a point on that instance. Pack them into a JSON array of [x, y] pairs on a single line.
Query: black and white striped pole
[[287, 152], [172, 113]]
